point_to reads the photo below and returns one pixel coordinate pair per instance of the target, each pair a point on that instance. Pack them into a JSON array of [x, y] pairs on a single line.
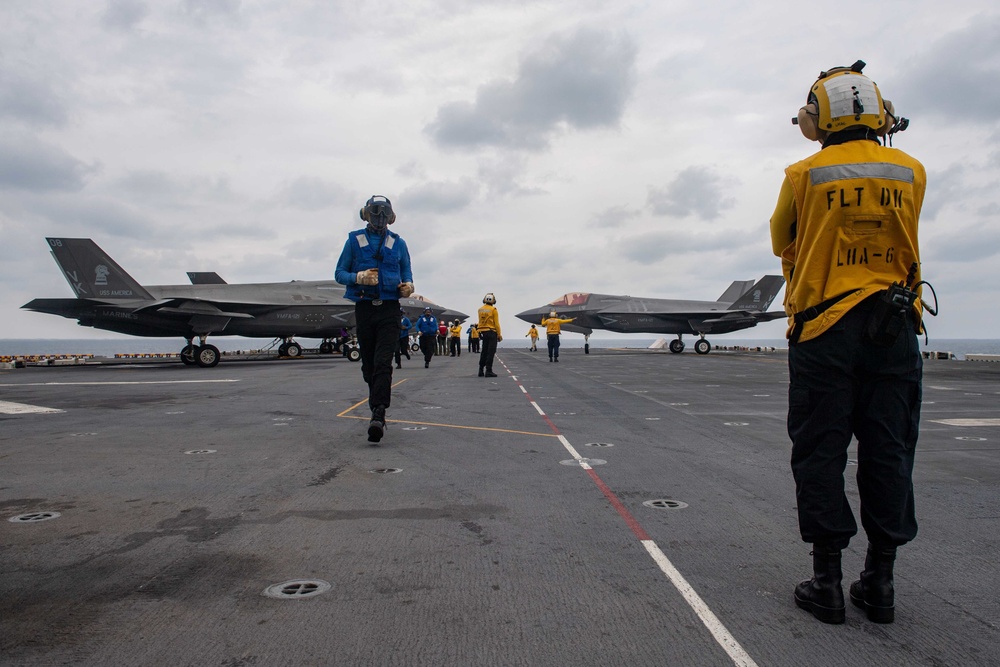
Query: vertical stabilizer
[[735, 291], [760, 296], [92, 273]]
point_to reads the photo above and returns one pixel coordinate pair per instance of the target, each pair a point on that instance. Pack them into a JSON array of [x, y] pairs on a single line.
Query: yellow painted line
[[344, 415]]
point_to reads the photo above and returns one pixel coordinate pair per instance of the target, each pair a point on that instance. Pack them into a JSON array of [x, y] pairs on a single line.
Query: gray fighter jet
[[109, 298], [743, 305]]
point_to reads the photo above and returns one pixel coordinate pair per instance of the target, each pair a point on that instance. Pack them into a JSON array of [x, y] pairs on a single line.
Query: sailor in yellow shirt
[[489, 335], [455, 339], [845, 227], [533, 334], [553, 326], [473, 332]]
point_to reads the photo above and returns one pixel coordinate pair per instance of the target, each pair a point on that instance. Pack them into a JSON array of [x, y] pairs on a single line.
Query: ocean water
[[109, 347]]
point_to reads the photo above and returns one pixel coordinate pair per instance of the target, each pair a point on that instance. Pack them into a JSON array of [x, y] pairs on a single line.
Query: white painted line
[[967, 422], [711, 621], [539, 409], [569, 448], [8, 408], [523, 390], [73, 384]]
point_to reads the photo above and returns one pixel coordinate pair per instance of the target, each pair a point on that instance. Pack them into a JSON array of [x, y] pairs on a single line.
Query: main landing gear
[[204, 355], [289, 349], [701, 346]]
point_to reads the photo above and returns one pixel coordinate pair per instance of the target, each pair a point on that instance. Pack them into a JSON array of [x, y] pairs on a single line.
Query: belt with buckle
[[377, 302]]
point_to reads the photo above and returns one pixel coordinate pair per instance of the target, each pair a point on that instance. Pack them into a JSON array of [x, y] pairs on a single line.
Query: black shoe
[[874, 591], [399, 366], [490, 374], [556, 360], [427, 364], [822, 596], [550, 358], [481, 373], [376, 427]]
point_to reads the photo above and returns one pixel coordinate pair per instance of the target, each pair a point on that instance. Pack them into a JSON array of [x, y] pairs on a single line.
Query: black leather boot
[[874, 591], [823, 596], [376, 427]]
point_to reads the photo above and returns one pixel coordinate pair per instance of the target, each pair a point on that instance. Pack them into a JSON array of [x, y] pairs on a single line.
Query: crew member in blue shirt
[[375, 267], [427, 327]]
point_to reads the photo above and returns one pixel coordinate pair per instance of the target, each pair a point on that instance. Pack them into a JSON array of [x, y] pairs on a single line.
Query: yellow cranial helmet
[[843, 98], [489, 299]]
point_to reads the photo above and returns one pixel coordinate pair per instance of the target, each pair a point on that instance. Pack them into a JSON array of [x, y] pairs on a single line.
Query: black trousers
[[488, 339], [378, 338], [402, 350], [428, 343], [552, 342], [456, 346], [843, 385]]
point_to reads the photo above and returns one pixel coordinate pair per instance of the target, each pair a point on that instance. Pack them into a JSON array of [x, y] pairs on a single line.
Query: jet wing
[[191, 307]]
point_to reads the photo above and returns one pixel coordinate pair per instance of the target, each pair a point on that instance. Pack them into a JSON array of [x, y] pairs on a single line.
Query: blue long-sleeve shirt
[[365, 250]]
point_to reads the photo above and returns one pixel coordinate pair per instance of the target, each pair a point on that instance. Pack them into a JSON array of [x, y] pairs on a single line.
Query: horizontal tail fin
[[760, 295], [92, 273]]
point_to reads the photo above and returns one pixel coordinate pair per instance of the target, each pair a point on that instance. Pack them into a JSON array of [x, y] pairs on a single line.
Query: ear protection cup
[[490, 299], [808, 122], [890, 118]]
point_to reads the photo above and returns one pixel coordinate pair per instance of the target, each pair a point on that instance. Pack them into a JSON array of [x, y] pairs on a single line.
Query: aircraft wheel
[[677, 346], [326, 348], [354, 354], [208, 356], [586, 348], [415, 347], [283, 350], [293, 349], [189, 355], [702, 347]]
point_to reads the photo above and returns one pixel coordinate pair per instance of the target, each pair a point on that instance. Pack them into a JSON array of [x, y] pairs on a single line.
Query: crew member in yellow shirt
[[489, 335], [845, 227], [553, 326], [533, 334], [455, 339]]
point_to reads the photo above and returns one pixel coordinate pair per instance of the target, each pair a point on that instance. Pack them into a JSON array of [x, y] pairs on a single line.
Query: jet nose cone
[[533, 315]]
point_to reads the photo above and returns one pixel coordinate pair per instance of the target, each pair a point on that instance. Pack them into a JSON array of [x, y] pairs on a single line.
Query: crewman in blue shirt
[[375, 267]]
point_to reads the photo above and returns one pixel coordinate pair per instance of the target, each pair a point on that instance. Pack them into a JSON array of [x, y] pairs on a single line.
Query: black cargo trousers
[[843, 384], [378, 339]]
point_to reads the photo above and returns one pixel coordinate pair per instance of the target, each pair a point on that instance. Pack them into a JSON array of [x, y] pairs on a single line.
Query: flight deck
[[624, 507]]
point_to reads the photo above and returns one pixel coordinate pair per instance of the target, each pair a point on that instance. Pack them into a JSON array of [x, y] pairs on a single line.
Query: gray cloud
[[581, 80], [30, 98], [957, 77], [437, 196], [966, 244], [309, 193], [614, 217], [29, 164], [697, 191], [124, 14], [163, 189], [653, 247], [501, 178]]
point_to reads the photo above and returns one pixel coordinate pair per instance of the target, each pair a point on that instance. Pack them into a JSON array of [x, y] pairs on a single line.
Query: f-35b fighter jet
[[109, 298], [743, 305]]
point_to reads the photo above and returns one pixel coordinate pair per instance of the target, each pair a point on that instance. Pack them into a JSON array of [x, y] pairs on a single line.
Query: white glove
[[405, 289], [369, 277]]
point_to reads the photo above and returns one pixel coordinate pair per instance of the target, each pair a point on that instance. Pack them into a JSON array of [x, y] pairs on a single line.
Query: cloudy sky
[[529, 148]]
